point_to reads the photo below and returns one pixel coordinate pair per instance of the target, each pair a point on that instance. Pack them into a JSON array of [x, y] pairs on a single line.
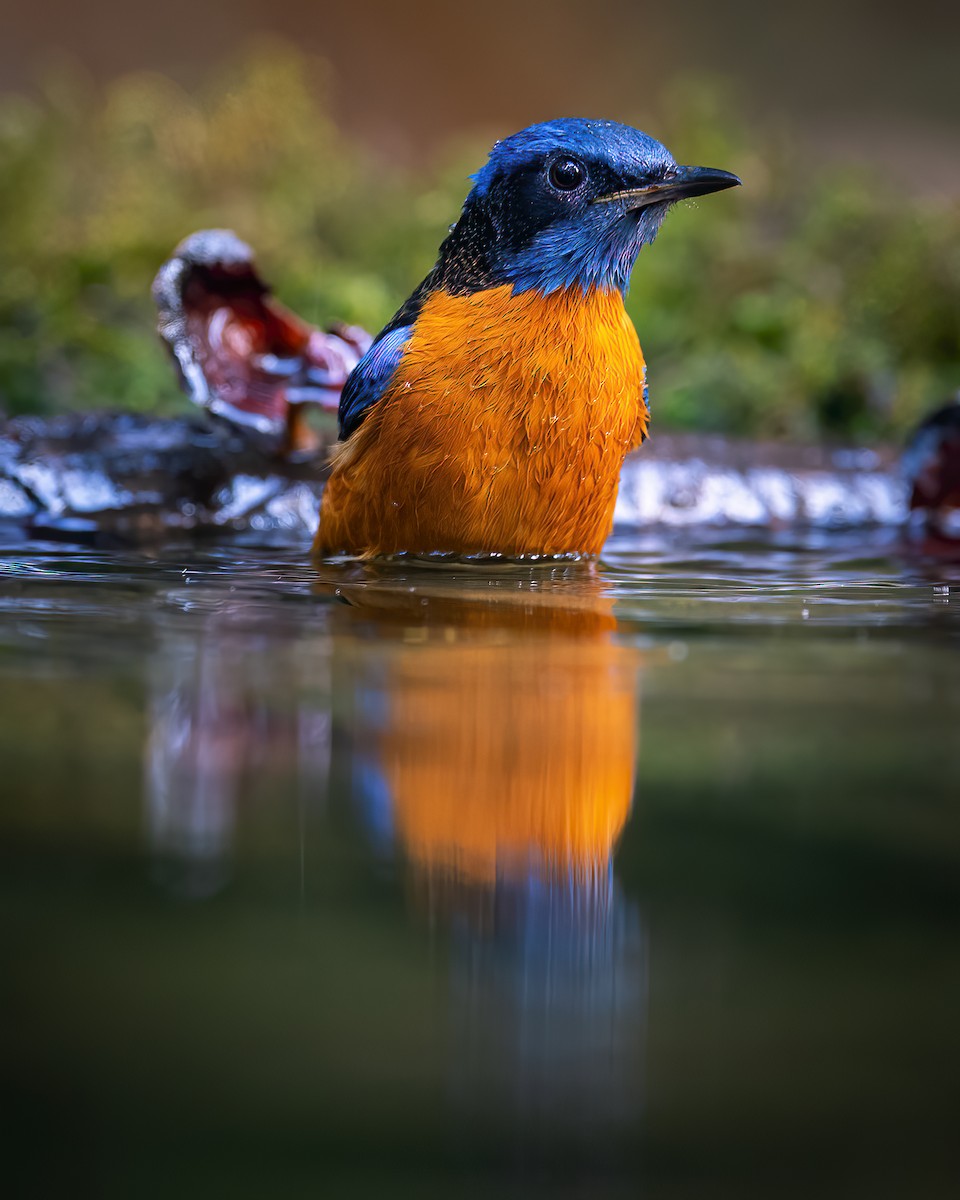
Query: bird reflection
[[502, 742], [482, 725], [498, 753]]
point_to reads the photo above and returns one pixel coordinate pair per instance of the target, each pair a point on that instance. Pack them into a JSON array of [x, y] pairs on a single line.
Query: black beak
[[678, 184]]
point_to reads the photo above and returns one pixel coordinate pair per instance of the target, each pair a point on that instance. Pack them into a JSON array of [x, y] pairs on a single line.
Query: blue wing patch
[[369, 378]]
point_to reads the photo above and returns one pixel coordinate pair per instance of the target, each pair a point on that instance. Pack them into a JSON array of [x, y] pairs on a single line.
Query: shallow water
[[460, 880]]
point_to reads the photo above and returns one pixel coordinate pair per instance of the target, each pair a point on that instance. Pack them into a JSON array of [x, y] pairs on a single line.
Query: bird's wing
[[371, 377]]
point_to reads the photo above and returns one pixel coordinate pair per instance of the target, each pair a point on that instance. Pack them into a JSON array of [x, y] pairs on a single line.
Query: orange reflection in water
[[488, 720], [506, 735], [499, 737]]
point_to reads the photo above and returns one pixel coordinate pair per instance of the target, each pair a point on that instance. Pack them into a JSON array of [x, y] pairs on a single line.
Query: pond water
[[419, 880]]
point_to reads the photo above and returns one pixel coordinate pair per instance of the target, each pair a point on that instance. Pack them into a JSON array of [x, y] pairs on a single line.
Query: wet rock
[[691, 480], [141, 477]]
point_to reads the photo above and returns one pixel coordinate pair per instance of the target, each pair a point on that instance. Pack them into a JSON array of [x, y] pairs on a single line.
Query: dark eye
[[565, 174]]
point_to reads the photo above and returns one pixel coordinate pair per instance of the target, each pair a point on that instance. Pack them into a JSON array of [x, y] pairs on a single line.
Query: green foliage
[[816, 301], [812, 302]]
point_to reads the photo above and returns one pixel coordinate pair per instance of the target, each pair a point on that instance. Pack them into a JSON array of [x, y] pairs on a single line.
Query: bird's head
[[568, 203]]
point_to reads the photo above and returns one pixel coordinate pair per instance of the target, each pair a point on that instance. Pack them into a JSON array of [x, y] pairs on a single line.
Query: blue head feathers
[[571, 203], [605, 144]]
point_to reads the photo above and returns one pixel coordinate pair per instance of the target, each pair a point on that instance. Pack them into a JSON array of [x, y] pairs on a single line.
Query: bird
[[491, 415]]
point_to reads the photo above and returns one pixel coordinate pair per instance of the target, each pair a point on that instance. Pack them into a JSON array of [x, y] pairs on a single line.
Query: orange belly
[[502, 431]]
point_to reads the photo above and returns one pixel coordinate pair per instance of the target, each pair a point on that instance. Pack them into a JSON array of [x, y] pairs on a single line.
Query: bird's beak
[[679, 184]]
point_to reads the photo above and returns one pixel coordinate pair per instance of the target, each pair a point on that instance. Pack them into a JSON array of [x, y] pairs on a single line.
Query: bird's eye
[[566, 174]]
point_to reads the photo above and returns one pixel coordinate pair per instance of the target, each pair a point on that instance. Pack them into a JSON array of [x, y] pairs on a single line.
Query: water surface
[[459, 880]]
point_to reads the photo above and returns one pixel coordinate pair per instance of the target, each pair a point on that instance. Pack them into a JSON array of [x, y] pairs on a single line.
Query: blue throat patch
[[596, 255]]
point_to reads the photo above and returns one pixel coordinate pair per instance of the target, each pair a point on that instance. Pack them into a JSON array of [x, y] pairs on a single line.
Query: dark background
[[875, 81]]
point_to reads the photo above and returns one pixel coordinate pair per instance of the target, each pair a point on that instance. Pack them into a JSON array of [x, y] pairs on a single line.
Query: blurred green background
[[822, 300]]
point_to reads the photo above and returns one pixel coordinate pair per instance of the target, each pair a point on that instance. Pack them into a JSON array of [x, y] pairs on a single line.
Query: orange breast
[[503, 431]]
